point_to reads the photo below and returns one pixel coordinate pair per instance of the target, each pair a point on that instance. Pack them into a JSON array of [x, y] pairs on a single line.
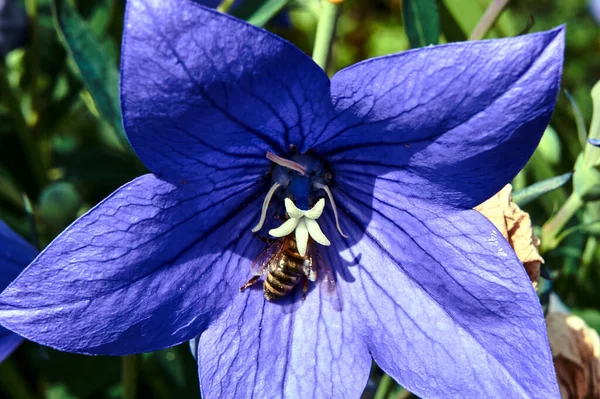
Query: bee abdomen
[[278, 283]]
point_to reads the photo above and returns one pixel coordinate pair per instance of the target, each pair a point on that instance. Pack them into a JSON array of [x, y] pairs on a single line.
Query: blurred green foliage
[[62, 145]]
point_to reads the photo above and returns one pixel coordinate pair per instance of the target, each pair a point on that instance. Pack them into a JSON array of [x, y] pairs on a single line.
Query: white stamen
[[302, 237], [291, 209], [303, 223], [265, 206], [315, 232], [286, 228], [316, 211], [335, 213], [286, 163]]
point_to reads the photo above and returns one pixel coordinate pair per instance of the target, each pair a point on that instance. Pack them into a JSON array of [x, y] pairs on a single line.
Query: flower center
[[301, 180]]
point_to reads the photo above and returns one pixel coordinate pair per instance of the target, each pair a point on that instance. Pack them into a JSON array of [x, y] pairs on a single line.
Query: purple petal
[[8, 343], [209, 3], [201, 89], [440, 297], [15, 254], [594, 142], [304, 349], [451, 123], [147, 268]]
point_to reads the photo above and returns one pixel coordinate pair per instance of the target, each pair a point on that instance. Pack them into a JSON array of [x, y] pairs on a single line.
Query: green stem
[[13, 382], [384, 387], [552, 228], [325, 32], [225, 6], [155, 378], [32, 150], [129, 376], [488, 19], [33, 54], [591, 246]]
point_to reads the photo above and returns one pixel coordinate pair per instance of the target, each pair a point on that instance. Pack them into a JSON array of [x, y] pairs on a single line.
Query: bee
[[285, 267]]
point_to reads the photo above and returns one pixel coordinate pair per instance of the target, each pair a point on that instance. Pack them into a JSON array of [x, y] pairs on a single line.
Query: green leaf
[[421, 22], [528, 194], [259, 12], [591, 218], [579, 121], [450, 27], [97, 68]]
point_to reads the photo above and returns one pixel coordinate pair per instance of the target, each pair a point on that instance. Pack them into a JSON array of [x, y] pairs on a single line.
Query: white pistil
[[335, 213], [286, 163], [304, 223], [265, 206]]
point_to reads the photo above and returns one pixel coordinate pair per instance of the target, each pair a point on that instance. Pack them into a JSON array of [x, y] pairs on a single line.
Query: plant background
[[62, 146]]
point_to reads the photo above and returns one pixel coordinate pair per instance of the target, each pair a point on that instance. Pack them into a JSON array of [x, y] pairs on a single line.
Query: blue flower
[[594, 142], [383, 162], [13, 26], [15, 254]]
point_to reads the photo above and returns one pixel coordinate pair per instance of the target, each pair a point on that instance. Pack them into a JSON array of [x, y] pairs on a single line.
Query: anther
[[286, 163], [265, 206], [335, 212], [303, 223]]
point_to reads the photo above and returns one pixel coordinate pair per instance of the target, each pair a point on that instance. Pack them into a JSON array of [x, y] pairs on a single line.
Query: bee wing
[[319, 271], [327, 284], [261, 263], [326, 280], [324, 277]]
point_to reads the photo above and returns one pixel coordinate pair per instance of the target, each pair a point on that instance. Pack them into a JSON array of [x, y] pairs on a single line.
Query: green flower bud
[[59, 203], [550, 147], [586, 181]]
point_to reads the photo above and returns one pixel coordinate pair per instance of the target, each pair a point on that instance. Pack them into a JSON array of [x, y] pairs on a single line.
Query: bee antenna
[[335, 212], [265, 206]]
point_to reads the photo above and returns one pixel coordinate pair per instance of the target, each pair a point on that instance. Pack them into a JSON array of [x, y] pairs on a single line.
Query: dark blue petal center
[[302, 189]]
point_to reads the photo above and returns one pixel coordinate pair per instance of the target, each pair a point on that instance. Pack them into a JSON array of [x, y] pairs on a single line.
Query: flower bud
[[550, 147], [59, 203], [515, 226], [586, 181], [576, 353]]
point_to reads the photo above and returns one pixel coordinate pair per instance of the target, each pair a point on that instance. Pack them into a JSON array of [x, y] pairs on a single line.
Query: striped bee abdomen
[[284, 278]]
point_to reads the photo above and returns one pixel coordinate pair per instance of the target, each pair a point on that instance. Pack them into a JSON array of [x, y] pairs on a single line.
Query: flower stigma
[[297, 180], [304, 223]]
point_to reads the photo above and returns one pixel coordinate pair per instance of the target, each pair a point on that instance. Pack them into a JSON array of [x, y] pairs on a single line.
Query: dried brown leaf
[[515, 226], [576, 352]]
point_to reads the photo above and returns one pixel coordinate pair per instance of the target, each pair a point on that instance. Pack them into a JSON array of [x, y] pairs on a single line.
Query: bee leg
[[264, 239], [304, 287], [250, 282]]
